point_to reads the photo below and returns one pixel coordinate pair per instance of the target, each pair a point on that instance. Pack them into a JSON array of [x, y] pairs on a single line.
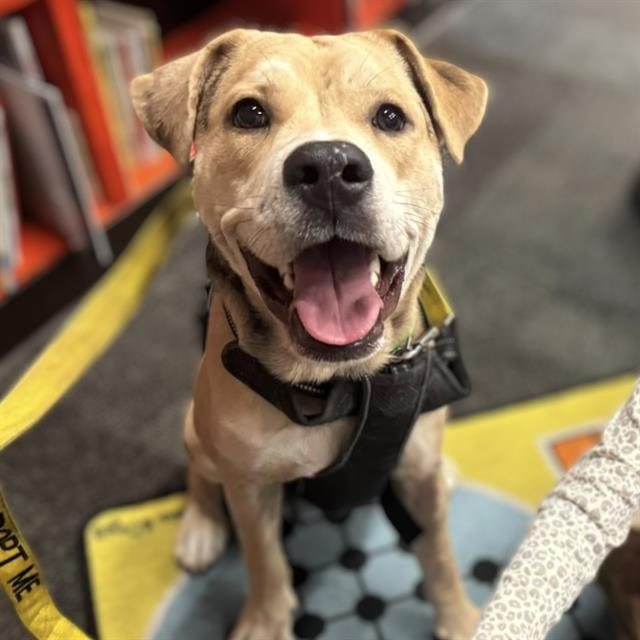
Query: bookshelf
[[61, 46], [41, 249], [60, 43]]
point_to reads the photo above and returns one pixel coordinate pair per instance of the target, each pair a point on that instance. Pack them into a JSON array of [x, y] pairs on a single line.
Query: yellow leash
[[97, 322]]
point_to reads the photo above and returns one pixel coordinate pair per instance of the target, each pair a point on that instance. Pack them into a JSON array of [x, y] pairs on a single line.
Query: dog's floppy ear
[[167, 99], [456, 99]]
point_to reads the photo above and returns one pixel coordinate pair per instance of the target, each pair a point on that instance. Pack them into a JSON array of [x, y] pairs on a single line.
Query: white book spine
[[9, 221]]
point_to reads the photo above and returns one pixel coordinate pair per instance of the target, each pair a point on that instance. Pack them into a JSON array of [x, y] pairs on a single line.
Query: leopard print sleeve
[[587, 514]]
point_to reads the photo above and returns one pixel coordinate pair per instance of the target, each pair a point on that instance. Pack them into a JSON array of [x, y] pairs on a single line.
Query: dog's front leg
[[257, 513], [422, 487], [203, 531]]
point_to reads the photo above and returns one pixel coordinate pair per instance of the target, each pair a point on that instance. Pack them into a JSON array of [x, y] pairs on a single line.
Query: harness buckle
[[426, 340]]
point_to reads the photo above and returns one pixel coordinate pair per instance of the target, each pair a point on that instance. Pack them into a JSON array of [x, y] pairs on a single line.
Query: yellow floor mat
[[510, 458]]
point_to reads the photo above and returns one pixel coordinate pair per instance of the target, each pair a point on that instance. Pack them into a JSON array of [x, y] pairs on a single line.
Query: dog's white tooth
[[374, 278], [288, 281], [286, 270], [374, 265]]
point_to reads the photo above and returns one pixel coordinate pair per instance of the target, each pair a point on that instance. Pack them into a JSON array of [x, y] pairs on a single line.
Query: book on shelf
[[18, 52], [124, 42], [85, 154], [103, 71], [48, 174], [143, 20], [16, 47], [9, 216], [52, 179]]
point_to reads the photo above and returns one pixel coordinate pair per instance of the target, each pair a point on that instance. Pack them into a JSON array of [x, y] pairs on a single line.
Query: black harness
[[422, 376]]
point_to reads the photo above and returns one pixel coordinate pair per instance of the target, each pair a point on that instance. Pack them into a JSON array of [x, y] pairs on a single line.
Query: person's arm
[[587, 514]]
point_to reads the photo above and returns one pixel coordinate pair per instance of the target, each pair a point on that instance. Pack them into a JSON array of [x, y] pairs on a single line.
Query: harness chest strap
[[423, 376]]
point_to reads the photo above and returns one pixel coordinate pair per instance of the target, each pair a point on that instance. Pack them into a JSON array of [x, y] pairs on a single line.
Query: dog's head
[[317, 171]]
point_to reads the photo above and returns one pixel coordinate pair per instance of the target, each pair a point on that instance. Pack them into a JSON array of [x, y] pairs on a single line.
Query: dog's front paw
[[458, 623], [201, 539], [271, 620]]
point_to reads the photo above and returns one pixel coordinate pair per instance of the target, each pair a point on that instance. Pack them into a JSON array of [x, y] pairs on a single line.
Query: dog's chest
[[243, 433]]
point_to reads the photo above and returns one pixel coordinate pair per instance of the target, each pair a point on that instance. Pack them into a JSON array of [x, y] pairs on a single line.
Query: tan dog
[[318, 176]]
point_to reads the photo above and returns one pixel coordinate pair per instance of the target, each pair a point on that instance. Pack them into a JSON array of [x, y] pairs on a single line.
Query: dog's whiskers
[[360, 68], [375, 75], [244, 220], [264, 74], [412, 205], [232, 206], [409, 191], [256, 236]]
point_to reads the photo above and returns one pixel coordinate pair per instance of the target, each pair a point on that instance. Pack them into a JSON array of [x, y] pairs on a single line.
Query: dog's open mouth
[[333, 297]]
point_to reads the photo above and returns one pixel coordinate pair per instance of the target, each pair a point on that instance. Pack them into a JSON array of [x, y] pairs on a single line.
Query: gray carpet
[[538, 248]]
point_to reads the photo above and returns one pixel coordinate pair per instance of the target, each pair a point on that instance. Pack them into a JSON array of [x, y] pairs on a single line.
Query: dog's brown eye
[[389, 118], [249, 114]]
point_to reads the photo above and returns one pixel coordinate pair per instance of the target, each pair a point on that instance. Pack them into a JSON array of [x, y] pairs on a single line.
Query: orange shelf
[[11, 6], [144, 180], [150, 177], [369, 14], [41, 250]]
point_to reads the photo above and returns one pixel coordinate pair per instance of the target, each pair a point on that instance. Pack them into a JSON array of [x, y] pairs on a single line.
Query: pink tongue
[[333, 294]]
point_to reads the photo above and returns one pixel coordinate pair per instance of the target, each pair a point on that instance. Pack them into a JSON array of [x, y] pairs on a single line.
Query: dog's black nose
[[328, 175]]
